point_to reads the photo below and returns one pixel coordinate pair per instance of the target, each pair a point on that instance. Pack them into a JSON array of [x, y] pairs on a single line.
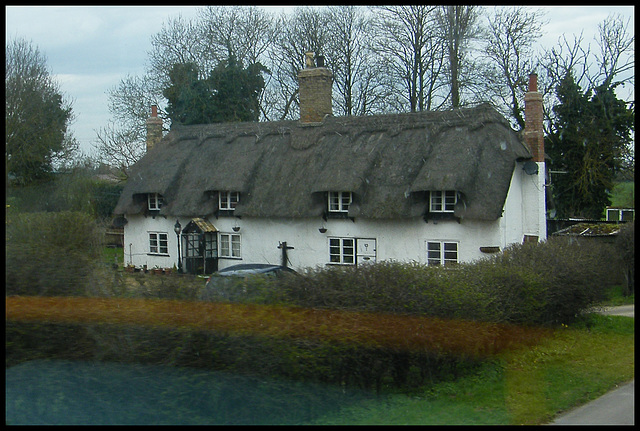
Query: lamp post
[[177, 228]]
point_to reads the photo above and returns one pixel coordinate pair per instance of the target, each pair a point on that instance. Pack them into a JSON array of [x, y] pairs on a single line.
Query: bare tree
[[245, 32], [409, 41], [122, 142], [458, 25], [509, 41], [179, 41], [357, 70], [615, 59], [304, 30], [120, 147]]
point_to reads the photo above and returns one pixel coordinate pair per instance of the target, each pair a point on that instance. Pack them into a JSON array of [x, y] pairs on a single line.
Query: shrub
[[625, 249], [530, 284], [51, 253], [574, 275]]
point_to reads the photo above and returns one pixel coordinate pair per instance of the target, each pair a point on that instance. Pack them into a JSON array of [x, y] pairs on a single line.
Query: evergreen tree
[[190, 99], [590, 133], [36, 115], [230, 93]]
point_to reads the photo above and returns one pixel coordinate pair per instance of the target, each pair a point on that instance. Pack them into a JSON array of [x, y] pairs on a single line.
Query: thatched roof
[[282, 169]]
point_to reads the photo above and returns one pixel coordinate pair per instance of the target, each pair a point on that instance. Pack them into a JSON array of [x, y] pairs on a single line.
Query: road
[[613, 408], [621, 310]]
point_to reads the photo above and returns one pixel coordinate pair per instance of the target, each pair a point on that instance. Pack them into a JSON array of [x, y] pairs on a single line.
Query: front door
[[365, 251], [199, 247]]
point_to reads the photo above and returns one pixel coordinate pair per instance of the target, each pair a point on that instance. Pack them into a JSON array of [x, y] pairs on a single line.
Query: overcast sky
[[90, 49]]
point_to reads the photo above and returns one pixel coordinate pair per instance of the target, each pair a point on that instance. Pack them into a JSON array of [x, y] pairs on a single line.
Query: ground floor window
[[342, 251], [158, 243], [230, 245], [442, 253]]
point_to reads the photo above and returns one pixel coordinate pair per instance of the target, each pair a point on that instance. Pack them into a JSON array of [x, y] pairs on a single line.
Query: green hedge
[[52, 253], [549, 283]]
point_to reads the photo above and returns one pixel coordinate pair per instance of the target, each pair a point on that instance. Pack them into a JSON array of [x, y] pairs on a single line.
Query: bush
[[51, 253], [531, 284], [625, 249], [573, 276]]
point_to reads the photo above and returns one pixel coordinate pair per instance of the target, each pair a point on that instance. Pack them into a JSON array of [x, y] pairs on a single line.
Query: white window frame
[[230, 245], [620, 214], [342, 251], [159, 243], [227, 201], [339, 202], [443, 201], [443, 253], [155, 201]]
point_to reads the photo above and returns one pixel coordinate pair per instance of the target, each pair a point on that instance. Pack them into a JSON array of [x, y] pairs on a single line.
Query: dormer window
[[339, 202], [155, 201], [443, 201], [228, 200]]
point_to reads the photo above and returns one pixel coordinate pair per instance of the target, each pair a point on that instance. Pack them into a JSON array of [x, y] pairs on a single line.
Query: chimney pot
[[308, 59], [154, 110]]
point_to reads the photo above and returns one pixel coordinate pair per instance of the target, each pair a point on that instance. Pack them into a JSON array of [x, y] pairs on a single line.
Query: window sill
[[159, 254], [225, 213], [338, 214], [440, 216]]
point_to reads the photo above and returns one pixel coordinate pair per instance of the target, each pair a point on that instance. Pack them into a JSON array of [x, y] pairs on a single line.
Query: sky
[[89, 49]]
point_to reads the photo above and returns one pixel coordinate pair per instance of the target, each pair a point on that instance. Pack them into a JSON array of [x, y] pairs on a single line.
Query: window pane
[[451, 246], [224, 245], [433, 253], [235, 245], [345, 200], [449, 200], [210, 245], [153, 243], [436, 201], [164, 248], [334, 201]]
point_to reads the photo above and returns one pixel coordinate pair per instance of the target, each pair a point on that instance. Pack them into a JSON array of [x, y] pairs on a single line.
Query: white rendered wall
[[395, 240], [400, 240], [525, 208]]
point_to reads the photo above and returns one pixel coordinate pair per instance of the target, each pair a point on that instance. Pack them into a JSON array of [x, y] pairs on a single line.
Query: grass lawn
[[530, 386], [569, 367]]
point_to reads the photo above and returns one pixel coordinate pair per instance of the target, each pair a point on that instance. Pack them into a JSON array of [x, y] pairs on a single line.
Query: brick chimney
[[315, 82], [533, 130], [154, 128]]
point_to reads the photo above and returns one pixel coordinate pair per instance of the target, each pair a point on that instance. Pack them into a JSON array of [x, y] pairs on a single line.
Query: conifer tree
[[590, 133], [229, 94]]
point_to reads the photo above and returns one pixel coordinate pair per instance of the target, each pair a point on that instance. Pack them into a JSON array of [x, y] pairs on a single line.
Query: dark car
[[254, 268], [241, 280]]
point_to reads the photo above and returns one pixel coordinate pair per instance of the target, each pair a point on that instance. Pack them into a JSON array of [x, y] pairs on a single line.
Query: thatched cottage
[[431, 187]]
